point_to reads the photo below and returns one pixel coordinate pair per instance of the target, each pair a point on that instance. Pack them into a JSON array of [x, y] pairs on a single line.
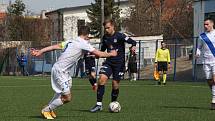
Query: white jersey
[[208, 57], [73, 50]]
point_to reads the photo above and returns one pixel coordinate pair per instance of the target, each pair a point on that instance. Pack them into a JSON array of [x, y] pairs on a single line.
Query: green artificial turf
[[22, 98]]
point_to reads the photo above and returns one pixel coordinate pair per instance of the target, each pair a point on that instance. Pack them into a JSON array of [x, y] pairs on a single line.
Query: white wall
[[70, 22], [71, 18], [3, 8]]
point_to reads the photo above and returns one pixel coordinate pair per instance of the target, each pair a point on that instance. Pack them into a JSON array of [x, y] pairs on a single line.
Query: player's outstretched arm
[[101, 54], [35, 52]]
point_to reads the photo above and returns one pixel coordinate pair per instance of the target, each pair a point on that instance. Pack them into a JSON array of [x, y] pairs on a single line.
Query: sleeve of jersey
[[168, 57], [63, 44], [87, 47], [156, 57], [103, 46], [128, 40]]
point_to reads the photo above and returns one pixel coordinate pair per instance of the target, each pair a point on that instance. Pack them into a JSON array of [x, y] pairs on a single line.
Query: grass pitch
[[23, 97]]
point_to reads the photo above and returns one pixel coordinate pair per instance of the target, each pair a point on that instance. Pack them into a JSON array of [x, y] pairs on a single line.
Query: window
[[80, 22]]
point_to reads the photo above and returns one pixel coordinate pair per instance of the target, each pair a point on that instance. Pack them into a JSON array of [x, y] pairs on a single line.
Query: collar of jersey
[[83, 40]]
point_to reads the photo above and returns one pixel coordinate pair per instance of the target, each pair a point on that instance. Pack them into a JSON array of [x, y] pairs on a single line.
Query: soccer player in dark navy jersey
[[112, 66], [90, 69]]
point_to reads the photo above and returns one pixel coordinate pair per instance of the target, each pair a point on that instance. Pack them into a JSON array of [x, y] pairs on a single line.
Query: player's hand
[[169, 67], [35, 52], [156, 65], [113, 53], [97, 57]]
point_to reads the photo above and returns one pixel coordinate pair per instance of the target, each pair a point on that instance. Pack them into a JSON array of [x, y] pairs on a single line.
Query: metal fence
[[184, 66]]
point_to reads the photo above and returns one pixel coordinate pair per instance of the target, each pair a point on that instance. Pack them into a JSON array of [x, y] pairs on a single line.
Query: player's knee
[[93, 74], [102, 79]]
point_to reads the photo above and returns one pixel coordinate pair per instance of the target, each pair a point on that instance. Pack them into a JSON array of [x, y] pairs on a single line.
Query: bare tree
[[168, 17]]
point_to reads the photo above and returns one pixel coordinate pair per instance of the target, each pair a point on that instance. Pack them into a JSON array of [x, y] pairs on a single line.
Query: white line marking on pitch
[[123, 85]]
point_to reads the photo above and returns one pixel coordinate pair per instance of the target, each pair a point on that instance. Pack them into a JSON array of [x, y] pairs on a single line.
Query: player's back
[[72, 51]]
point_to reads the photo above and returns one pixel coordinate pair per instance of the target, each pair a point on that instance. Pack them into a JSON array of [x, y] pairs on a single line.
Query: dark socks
[[100, 92], [92, 81], [114, 94]]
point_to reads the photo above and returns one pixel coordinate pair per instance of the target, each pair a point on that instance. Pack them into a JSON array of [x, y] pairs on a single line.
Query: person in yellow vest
[[162, 62]]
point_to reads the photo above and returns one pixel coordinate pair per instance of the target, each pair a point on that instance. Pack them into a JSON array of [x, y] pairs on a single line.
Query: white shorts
[[209, 70], [61, 81]]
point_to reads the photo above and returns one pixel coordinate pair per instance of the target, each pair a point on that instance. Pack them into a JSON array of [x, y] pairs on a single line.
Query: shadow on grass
[[88, 111], [36, 117], [186, 107], [58, 117], [81, 89], [32, 117]]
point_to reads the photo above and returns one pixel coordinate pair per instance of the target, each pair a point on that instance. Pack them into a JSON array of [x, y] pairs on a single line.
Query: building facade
[[3, 9], [67, 20]]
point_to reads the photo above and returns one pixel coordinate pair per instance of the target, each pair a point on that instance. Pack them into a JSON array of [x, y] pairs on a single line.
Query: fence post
[[97, 64], [175, 59], [194, 60], [139, 60], [43, 65], [156, 45]]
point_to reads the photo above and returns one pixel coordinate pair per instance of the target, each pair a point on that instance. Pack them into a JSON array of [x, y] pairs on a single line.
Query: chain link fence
[[184, 66]]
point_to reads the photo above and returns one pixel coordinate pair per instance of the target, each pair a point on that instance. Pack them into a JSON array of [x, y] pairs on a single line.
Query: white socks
[[135, 76], [99, 103], [56, 96], [54, 103]]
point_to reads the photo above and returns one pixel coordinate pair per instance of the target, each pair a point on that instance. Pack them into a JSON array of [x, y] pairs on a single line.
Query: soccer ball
[[114, 107]]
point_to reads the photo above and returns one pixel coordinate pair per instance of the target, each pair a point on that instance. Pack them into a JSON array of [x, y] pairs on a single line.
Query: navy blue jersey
[[89, 60], [116, 41]]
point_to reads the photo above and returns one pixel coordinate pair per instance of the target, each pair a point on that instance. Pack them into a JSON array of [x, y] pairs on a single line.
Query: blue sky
[[37, 5]]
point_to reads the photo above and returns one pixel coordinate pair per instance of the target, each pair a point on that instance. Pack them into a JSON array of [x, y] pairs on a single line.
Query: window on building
[[80, 22]]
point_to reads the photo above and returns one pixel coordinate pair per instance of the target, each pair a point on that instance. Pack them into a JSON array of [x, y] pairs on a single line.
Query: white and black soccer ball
[[114, 107]]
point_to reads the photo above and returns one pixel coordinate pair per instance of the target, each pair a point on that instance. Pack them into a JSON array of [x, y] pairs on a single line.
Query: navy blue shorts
[[88, 70], [162, 66], [117, 70]]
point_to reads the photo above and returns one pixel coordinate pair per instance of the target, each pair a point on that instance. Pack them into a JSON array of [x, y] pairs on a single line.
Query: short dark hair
[[209, 19], [109, 21], [83, 30], [163, 42]]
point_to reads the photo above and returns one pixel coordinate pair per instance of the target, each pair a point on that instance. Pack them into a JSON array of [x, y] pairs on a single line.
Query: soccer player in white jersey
[[61, 80], [206, 48]]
